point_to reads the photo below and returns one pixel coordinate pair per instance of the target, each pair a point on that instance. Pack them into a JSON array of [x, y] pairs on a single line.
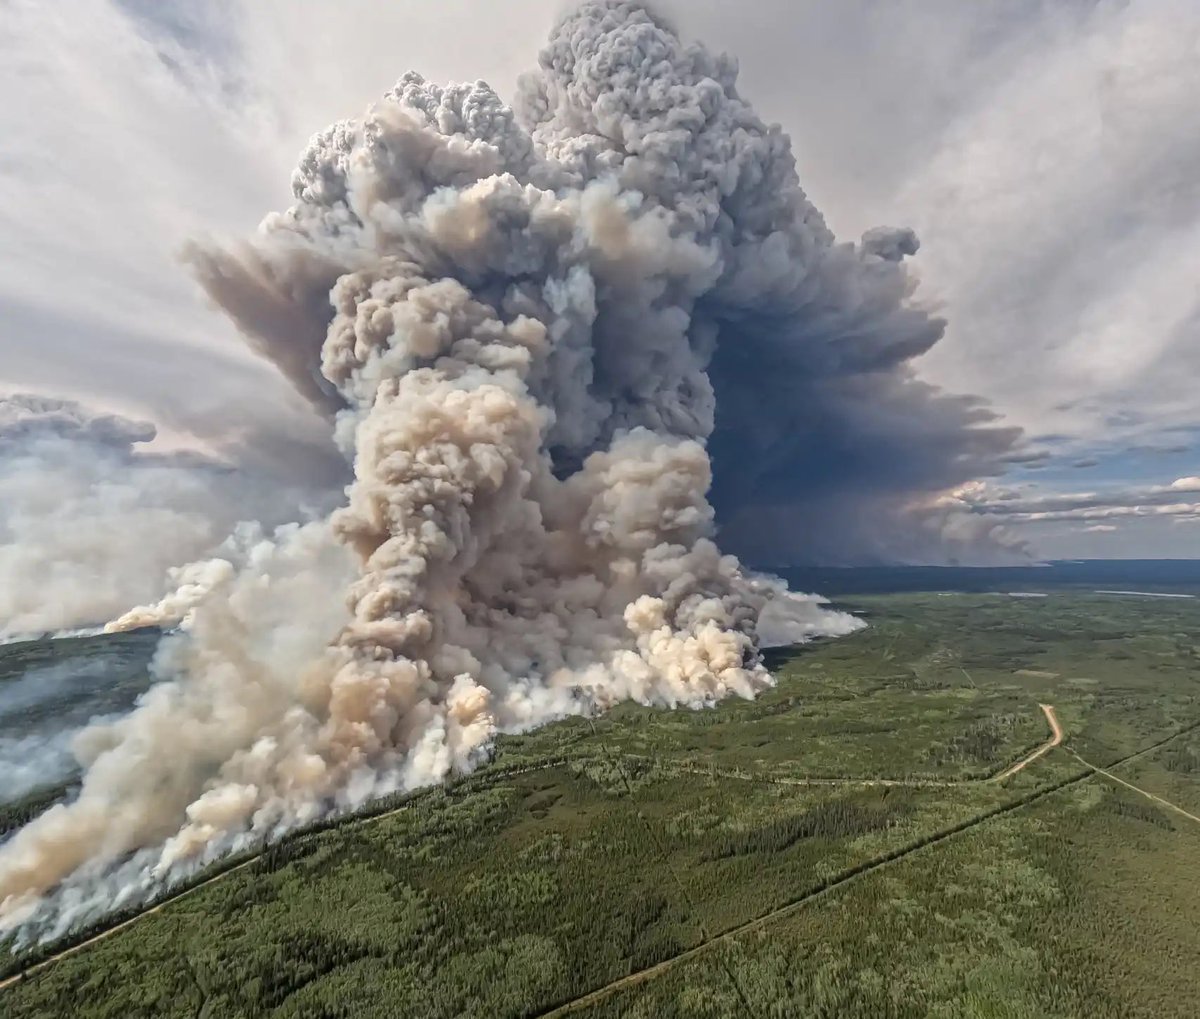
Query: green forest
[[842, 846]]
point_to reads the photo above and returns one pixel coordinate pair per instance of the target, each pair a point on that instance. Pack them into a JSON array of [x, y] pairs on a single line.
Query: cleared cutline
[[1137, 789], [838, 881]]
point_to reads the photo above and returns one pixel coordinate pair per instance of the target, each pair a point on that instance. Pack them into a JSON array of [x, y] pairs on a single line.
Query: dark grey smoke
[[791, 351], [27, 418], [537, 322]]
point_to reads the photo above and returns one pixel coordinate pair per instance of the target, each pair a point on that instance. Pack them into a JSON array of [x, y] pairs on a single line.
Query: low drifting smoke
[[48, 704], [90, 522], [35, 761], [38, 725], [539, 330], [51, 692]]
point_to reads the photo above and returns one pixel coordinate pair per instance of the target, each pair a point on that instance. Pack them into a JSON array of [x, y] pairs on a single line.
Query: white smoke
[[34, 761], [65, 682], [190, 586], [513, 315], [90, 523]]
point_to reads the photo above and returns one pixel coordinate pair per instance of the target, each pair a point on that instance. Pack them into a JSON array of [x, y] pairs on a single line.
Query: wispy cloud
[[1180, 498]]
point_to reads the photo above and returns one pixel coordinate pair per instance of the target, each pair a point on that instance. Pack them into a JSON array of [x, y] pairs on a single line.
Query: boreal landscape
[[456, 466], [894, 830]]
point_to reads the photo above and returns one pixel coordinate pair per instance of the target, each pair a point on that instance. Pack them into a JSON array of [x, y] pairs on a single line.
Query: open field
[[847, 845]]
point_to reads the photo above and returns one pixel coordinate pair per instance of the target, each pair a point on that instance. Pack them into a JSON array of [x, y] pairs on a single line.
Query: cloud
[[1115, 502], [1161, 448], [27, 419], [1050, 166], [1061, 219], [1035, 148], [93, 303], [90, 521]]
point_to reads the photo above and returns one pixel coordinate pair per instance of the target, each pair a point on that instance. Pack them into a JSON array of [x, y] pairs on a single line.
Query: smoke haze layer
[[91, 521], [53, 690], [530, 325]]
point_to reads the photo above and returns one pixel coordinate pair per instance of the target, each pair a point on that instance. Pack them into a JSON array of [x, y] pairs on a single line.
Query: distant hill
[[1166, 575]]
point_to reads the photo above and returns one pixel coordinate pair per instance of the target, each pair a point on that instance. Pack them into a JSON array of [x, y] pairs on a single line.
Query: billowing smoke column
[[514, 317]]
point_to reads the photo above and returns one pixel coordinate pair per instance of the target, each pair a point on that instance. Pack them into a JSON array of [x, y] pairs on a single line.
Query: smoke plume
[[536, 328], [90, 522]]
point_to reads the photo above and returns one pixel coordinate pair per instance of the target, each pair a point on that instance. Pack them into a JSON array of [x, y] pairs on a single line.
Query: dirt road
[[826, 889], [1054, 741], [108, 932], [1137, 789], [886, 859], [1056, 738]]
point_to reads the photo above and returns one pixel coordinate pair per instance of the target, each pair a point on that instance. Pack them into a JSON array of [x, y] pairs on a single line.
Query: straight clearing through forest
[[896, 790]]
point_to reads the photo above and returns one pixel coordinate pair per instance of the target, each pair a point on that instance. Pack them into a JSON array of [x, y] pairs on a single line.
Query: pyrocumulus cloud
[[530, 325]]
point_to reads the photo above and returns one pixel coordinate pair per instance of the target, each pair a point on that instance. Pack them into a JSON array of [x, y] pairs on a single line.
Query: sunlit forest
[[843, 846]]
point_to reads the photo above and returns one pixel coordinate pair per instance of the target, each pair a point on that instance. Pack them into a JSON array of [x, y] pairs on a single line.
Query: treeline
[[1180, 758], [289, 846], [833, 819], [20, 812]]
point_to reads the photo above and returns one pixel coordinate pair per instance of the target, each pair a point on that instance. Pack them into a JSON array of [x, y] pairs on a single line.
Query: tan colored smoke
[[513, 331]]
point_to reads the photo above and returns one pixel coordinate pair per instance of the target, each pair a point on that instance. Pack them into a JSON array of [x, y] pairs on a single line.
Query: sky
[[1042, 152]]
